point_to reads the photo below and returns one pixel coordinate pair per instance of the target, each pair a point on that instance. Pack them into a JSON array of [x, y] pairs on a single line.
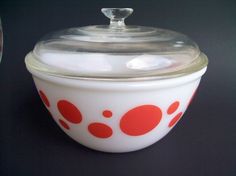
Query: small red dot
[[44, 98], [100, 130], [107, 113], [175, 119], [64, 124], [173, 107]]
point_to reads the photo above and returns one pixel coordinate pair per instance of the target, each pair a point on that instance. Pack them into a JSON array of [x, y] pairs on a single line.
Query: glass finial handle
[[117, 16]]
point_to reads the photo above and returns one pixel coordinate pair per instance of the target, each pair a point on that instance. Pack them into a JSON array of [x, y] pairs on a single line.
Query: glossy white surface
[[93, 97]]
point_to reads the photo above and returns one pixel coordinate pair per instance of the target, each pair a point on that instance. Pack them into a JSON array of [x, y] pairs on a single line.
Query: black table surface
[[203, 142]]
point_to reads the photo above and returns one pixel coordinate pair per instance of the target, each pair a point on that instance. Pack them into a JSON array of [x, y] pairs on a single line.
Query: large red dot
[[64, 124], [44, 98], [140, 120], [175, 119], [173, 107], [69, 111], [100, 130]]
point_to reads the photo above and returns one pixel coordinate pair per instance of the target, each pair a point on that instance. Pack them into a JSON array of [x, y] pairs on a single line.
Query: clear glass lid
[[116, 51]]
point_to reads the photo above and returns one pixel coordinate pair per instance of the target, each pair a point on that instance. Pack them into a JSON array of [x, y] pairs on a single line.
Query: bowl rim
[[119, 85]]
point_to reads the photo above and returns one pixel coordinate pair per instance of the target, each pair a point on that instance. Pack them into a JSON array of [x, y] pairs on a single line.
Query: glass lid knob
[[117, 16]]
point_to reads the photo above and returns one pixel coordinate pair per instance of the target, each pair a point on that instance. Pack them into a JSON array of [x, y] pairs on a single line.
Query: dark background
[[203, 143]]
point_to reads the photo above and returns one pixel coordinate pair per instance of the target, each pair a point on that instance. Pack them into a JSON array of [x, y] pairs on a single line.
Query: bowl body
[[116, 116]]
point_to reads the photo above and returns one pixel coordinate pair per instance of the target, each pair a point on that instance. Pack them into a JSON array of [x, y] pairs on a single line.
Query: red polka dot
[[175, 119], [69, 111], [140, 120], [173, 107], [44, 98], [64, 124], [100, 130], [107, 113]]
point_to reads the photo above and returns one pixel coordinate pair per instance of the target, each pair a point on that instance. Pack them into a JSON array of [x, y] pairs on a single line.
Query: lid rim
[[179, 73]]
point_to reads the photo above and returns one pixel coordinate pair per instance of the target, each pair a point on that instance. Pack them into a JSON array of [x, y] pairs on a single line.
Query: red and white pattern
[[137, 121]]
